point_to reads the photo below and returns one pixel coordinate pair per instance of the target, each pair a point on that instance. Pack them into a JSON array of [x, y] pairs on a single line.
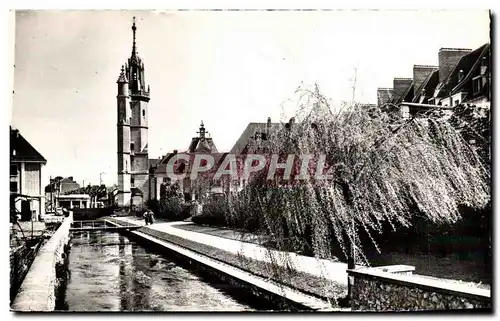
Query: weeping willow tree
[[383, 168]]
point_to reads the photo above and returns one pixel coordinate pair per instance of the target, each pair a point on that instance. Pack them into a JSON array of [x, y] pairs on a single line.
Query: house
[[201, 144], [59, 186], [73, 201], [463, 76], [26, 164], [468, 82]]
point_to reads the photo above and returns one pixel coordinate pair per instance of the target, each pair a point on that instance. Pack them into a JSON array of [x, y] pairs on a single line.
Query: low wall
[[20, 261], [397, 289], [37, 292]]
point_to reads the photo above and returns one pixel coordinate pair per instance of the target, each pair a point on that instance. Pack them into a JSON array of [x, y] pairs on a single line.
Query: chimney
[[448, 59], [384, 95], [175, 151], [420, 73], [268, 127], [400, 85]]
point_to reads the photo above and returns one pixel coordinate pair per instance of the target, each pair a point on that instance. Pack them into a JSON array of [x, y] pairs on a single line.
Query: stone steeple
[[135, 71], [132, 140]]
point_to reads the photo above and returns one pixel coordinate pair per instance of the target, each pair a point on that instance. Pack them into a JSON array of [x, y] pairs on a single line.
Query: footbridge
[[100, 225]]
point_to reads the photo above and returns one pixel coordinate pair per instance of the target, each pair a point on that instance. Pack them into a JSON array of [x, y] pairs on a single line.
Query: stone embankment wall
[[37, 292], [377, 289], [20, 260]]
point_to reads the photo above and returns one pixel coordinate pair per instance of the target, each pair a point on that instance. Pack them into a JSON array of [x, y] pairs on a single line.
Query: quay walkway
[[334, 271]]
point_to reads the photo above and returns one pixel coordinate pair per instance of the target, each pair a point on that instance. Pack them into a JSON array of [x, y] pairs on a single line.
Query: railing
[[99, 225]]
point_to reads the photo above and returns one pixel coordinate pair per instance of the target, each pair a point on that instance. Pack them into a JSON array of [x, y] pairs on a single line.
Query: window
[[132, 181], [13, 170], [143, 113], [132, 145], [13, 187], [476, 85]]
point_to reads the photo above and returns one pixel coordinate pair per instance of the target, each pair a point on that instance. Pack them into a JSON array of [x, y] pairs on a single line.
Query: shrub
[[173, 209]]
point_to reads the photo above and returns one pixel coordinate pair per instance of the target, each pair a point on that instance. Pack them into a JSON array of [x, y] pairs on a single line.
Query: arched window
[[143, 113]]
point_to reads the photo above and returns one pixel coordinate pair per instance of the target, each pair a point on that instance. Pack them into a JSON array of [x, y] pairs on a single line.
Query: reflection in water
[[111, 273]]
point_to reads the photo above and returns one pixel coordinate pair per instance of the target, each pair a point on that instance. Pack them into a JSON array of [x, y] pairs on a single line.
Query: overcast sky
[[225, 68]]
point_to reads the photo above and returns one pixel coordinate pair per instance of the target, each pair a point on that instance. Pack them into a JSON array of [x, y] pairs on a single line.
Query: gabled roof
[[485, 52], [22, 151], [162, 166], [466, 63], [429, 84], [202, 144], [408, 94], [249, 133]]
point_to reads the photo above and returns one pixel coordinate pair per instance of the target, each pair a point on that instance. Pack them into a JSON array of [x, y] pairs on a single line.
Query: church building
[[132, 102]]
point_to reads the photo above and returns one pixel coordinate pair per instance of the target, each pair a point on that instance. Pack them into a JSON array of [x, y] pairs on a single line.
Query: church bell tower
[[132, 101]]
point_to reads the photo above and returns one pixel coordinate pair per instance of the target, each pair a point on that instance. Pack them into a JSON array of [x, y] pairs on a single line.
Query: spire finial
[[122, 78], [202, 130], [134, 28]]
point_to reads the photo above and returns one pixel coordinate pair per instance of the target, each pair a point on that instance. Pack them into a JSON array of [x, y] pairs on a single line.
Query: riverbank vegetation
[[389, 173]]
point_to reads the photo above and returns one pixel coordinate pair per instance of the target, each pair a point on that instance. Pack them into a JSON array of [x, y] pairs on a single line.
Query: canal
[[110, 272]]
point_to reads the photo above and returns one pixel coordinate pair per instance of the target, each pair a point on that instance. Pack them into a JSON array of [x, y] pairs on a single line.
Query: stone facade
[[133, 161], [370, 293]]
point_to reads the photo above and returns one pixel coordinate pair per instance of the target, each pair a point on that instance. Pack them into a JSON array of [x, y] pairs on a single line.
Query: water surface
[[109, 272]]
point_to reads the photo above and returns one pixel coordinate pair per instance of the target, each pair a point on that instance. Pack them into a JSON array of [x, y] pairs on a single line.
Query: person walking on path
[[146, 217], [151, 216]]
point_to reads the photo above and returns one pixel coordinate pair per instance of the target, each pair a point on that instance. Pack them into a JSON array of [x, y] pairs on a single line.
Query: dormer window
[[477, 85]]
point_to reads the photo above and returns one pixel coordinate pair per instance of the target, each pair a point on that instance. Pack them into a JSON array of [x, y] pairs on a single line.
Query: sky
[[227, 68]]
